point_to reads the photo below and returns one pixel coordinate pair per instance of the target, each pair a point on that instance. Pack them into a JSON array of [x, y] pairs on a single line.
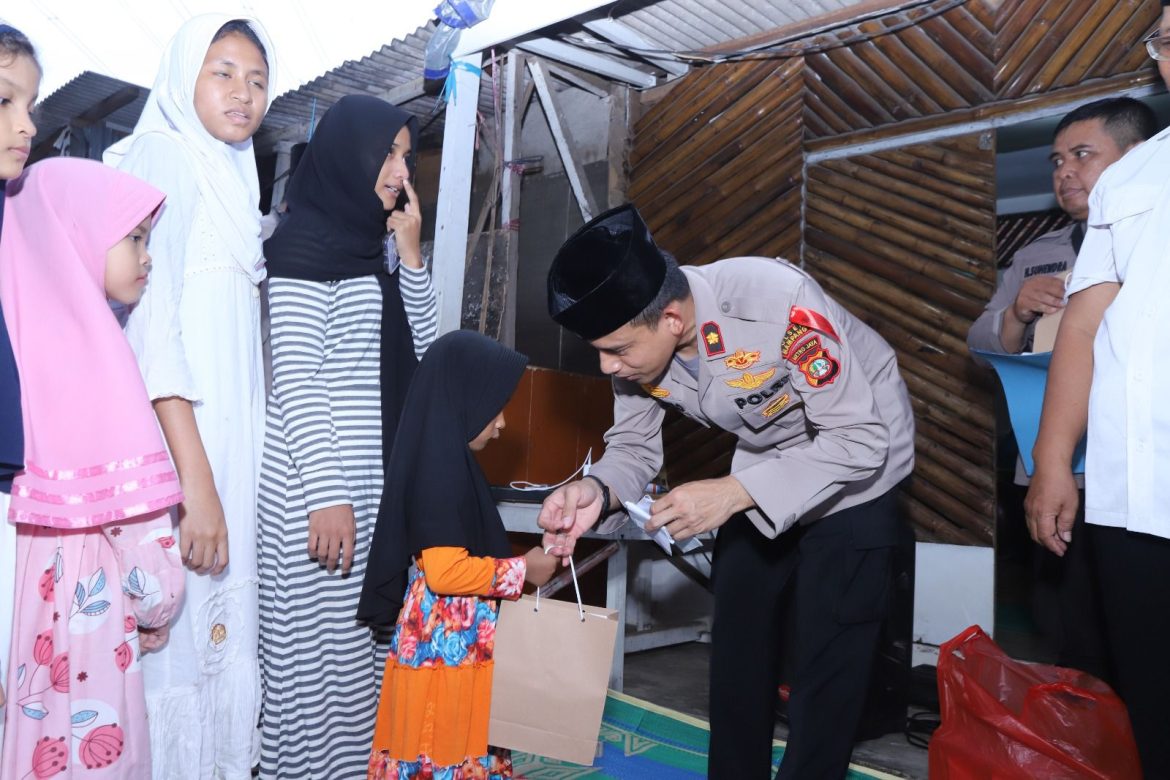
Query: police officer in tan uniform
[[753, 346]]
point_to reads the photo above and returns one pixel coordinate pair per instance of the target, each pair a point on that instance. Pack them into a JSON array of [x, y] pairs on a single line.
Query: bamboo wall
[[913, 256], [717, 172], [905, 238], [1016, 231]]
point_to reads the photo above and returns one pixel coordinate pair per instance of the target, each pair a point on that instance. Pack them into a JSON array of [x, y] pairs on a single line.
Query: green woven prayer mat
[[641, 741]]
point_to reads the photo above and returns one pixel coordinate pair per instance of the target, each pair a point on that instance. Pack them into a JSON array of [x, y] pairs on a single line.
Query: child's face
[[127, 266], [231, 93], [20, 78], [394, 171], [490, 431]]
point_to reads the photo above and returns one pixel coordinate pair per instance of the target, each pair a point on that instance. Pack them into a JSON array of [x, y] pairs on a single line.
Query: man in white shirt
[[1109, 371], [1086, 141]]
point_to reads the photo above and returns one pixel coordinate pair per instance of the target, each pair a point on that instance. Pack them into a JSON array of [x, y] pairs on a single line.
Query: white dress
[[196, 333]]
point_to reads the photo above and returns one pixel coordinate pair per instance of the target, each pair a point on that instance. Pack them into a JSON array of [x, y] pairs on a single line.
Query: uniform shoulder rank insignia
[[819, 367], [741, 360], [712, 338], [655, 391], [750, 381], [798, 315]]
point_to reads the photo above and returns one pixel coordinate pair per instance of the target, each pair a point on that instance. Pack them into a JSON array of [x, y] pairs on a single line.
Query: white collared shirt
[[1127, 476]]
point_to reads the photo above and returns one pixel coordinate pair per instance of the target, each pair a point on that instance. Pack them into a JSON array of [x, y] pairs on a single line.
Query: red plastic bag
[[1003, 718]]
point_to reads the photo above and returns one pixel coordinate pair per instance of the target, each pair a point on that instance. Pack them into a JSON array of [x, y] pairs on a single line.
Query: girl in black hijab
[[438, 511], [348, 321]]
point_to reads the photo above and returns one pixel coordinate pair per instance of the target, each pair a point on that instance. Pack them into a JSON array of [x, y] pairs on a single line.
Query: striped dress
[[321, 668]]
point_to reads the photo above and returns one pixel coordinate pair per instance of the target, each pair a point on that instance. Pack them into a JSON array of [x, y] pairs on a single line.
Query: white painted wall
[[954, 587]]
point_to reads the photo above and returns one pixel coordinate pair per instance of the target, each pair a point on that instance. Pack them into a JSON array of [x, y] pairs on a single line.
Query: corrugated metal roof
[[671, 25], [83, 94]]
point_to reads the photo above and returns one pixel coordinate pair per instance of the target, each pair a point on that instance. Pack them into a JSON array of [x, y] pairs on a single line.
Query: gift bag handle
[[576, 589]]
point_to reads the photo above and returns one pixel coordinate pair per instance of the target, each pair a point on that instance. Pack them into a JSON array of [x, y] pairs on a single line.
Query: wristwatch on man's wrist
[[605, 508]]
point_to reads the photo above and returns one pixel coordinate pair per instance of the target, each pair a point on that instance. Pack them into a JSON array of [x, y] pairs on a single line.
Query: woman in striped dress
[[348, 321]]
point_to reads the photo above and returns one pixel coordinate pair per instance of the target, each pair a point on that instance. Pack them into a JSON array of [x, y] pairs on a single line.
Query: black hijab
[[336, 225], [436, 494]]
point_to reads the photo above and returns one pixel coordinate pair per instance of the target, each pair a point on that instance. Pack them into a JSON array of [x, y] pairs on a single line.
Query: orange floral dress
[[436, 693]]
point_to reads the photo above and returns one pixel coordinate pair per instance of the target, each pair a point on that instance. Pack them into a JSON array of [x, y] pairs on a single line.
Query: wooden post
[[564, 142], [619, 145], [454, 204], [514, 93], [280, 182]]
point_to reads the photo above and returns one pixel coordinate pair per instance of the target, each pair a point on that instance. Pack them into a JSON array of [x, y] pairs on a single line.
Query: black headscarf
[[436, 495], [11, 421], [336, 225]]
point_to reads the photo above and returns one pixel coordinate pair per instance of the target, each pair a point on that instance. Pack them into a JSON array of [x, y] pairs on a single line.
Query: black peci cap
[[605, 274]]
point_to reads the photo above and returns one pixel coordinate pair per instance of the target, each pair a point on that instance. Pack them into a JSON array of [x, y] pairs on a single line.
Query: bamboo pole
[[917, 209], [997, 109], [867, 218], [838, 279], [973, 416], [870, 172], [729, 145], [976, 439], [923, 516], [974, 290], [955, 511]]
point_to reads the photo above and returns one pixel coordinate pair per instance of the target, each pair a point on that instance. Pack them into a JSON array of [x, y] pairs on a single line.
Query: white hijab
[[224, 173]]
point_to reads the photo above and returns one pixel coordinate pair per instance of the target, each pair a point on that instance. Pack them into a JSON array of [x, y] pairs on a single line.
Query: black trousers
[[1067, 588], [836, 573], [1134, 572]]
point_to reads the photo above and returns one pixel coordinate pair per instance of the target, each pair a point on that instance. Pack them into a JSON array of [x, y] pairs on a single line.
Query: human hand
[[541, 566], [697, 507], [151, 639], [1038, 295], [332, 531], [203, 534], [1051, 506], [406, 226], [567, 513]]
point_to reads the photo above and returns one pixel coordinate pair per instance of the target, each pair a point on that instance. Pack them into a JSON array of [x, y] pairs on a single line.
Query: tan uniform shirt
[[814, 395], [1049, 255]]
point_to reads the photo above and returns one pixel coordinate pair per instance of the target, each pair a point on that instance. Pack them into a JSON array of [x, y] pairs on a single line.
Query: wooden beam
[[985, 117], [511, 19], [454, 205], [560, 133], [510, 185], [280, 180], [850, 14], [588, 60], [613, 30], [106, 106], [585, 81], [619, 145]]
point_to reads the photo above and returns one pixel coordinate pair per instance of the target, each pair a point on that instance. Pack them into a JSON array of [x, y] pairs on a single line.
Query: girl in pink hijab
[[96, 578]]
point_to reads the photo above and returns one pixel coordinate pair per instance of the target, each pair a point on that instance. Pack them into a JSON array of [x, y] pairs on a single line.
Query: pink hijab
[[93, 451]]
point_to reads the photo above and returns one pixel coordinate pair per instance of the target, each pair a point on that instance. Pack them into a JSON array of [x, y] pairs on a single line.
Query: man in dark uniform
[[1086, 142], [751, 345]]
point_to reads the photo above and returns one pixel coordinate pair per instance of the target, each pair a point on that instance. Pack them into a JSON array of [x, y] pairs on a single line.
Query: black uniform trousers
[[836, 573], [1134, 572]]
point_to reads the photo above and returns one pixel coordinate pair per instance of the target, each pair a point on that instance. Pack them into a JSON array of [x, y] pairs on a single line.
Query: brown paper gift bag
[[552, 664]]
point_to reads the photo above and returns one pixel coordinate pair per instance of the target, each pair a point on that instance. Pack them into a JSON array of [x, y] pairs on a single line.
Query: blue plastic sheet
[[1024, 378]]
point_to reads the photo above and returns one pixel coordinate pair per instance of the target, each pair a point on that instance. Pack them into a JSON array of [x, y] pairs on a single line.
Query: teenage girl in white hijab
[[196, 334]]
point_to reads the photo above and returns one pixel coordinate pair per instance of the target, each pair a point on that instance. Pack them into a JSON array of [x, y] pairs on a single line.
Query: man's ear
[[672, 317]]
